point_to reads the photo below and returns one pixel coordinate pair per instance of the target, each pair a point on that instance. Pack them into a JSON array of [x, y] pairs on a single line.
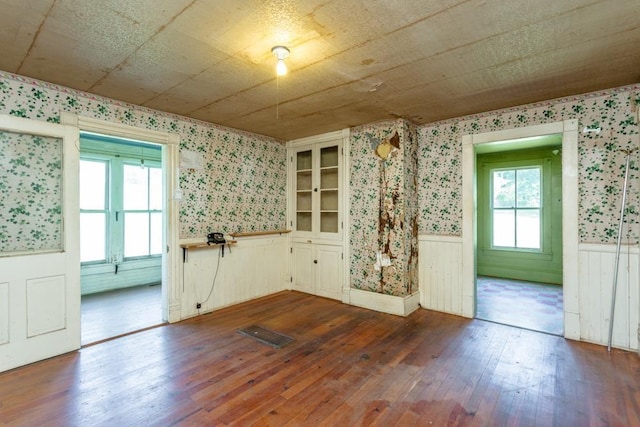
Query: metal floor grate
[[266, 336]]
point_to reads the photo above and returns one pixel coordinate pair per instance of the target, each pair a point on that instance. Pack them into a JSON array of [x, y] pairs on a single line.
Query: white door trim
[[570, 239], [171, 292]]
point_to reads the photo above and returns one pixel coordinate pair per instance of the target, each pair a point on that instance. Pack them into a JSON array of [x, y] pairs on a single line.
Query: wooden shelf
[[259, 233], [186, 246]]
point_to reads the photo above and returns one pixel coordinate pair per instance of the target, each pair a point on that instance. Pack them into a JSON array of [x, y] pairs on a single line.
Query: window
[[120, 208], [142, 207], [516, 207], [93, 210]]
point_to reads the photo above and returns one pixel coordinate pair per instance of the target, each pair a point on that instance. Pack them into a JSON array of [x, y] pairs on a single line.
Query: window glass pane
[[136, 187], [93, 233], [155, 189], [136, 234], [93, 184], [504, 228], [504, 188], [528, 188], [156, 233], [528, 229]]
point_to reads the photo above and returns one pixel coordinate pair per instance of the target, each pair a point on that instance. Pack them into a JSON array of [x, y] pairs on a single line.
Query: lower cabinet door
[[302, 267], [328, 271], [317, 269]]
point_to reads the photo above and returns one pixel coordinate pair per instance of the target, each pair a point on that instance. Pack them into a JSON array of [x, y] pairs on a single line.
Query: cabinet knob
[[315, 261], [315, 189]]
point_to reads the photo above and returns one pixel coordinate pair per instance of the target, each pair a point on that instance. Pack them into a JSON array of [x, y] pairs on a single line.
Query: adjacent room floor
[[534, 306], [113, 313]]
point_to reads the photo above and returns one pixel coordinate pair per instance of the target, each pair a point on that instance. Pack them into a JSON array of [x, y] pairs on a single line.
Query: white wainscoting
[[102, 277], [440, 259], [252, 268], [441, 289], [4, 313], [596, 267]]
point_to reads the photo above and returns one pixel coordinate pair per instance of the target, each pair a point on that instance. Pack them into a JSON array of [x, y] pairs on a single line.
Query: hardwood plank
[[346, 366]]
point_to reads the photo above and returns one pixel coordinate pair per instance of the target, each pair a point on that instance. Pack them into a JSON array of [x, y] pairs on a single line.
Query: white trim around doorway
[[171, 292], [569, 131]]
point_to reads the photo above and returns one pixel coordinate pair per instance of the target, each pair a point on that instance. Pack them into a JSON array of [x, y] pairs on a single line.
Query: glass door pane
[[329, 195], [304, 190]]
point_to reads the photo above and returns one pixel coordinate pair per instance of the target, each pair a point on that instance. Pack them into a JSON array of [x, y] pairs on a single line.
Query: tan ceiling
[[352, 61]]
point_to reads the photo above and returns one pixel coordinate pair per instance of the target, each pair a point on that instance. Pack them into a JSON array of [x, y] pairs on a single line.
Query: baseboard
[[400, 306]]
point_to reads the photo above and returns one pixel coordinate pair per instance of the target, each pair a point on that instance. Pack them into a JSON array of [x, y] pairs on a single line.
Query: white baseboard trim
[[400, 306]]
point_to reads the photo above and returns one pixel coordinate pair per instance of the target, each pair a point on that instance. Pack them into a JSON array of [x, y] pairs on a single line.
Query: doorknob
[[315, 261]]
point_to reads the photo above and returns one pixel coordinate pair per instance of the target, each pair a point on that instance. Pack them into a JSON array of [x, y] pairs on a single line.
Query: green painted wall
[[537, 266]]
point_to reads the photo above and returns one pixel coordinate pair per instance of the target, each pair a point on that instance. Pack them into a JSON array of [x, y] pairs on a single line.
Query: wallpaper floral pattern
[[30, 193], [600, 163], [242, 186]]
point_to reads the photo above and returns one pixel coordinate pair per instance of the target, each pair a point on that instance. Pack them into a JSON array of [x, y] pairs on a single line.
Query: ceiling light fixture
[[281, 53]]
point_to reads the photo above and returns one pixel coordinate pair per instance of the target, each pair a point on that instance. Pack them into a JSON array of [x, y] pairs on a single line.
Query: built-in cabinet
[[316, 214]]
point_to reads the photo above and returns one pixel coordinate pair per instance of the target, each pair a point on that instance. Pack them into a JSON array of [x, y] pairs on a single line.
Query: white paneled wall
[[254, 267], [4, 313], [440, 269], [103, 277], [442, 288], [596, 266]]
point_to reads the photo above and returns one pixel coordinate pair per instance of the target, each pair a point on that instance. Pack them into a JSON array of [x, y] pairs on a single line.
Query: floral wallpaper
[[383, 202], [241, 187], [600, 161], [30, 193]]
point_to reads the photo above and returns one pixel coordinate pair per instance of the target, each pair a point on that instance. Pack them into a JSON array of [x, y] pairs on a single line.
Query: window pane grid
[[516, 208], [139, 200], [142, 203]]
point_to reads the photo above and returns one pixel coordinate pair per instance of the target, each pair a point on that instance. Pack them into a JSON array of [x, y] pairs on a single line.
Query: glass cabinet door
[[316, 194], [304, 190], [329, 189]]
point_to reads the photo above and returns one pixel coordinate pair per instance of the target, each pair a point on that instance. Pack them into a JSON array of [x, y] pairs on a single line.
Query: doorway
[[121, 219], [519, 233], [569, 131], [170, 258]]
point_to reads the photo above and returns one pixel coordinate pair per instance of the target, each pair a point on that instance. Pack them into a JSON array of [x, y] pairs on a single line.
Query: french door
[[39, 241]]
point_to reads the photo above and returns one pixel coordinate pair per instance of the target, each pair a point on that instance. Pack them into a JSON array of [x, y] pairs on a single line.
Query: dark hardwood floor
[[347, 366]]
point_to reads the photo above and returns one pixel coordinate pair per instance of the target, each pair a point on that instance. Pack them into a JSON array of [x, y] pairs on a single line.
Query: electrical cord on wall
[[213, 283]]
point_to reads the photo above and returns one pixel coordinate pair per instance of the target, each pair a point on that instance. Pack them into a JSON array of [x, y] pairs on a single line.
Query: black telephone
[[216, 239]]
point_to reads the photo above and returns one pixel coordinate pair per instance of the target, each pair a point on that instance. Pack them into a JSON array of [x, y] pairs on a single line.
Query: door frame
[[171, 292], [570, 238]]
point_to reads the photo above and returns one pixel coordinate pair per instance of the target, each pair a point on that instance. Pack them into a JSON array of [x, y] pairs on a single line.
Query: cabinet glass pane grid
[[329, 190], [326, 194], [304, 194]]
